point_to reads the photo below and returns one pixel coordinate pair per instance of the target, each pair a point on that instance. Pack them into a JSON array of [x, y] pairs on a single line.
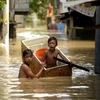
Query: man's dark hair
[[52, 38], [27, 51]]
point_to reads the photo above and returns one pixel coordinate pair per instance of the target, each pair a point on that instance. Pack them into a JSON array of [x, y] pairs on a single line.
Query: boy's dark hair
[[27, 51], [52, 38]]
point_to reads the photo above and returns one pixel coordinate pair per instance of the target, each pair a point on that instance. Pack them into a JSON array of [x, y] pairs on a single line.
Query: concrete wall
[[22, 6], [20, 21]]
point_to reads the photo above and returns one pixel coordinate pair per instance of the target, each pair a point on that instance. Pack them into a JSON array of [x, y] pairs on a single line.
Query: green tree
[[39, 7], [2, 2]]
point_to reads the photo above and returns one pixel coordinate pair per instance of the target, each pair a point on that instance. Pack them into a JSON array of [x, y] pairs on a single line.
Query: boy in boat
[[25, 71], [52, 52]]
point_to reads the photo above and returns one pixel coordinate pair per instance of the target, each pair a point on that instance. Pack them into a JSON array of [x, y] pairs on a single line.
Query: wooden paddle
[[77, 66]]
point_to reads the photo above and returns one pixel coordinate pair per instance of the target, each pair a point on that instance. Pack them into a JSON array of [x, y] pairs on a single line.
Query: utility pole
[[97, 43], [6, 27]]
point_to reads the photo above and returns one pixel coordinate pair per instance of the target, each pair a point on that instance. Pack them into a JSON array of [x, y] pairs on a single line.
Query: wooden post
[[97, 43], [12, 29], [12, 10], [71, 26]]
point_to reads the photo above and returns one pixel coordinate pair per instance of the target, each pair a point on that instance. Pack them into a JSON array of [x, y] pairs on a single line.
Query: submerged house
[[78, 17], [17, 8]]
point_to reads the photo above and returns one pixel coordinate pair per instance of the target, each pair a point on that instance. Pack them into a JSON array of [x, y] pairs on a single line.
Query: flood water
[[81, 86]]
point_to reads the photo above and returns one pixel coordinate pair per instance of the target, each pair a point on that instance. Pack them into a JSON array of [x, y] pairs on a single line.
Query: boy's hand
[[43, 64]]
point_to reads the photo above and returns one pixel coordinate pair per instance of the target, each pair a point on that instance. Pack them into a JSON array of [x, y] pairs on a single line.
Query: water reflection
[[80, 86], [43, 88], [56, 88]]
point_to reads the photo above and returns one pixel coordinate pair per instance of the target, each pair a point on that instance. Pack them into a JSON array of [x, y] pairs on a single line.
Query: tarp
[[78, 5]]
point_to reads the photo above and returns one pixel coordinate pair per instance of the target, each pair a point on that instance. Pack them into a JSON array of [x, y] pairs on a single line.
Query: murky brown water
[[81, 86]]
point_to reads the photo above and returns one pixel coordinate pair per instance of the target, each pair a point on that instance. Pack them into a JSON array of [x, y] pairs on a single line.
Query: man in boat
[[52, 52], [25, 71]]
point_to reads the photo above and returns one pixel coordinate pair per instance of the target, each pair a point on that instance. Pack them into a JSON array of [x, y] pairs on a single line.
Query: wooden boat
[[41, 43]]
